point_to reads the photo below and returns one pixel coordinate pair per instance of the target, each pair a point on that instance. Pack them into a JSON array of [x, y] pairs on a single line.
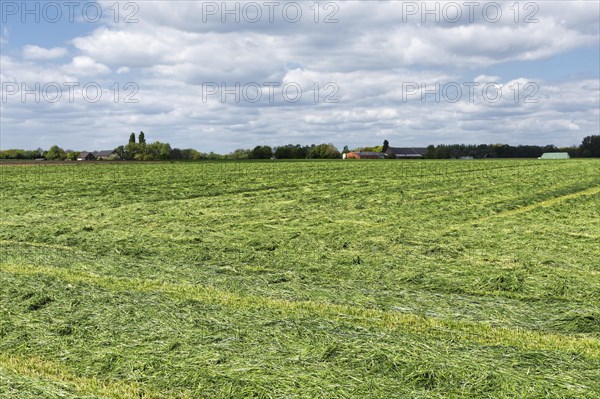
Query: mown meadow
[[316, 279]]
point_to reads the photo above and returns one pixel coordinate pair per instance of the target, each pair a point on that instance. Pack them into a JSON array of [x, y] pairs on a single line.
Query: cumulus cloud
[[32, 52], [85, 66]]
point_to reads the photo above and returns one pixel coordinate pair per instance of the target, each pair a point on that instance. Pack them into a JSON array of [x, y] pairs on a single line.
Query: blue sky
[[188, 73], [580, 63]]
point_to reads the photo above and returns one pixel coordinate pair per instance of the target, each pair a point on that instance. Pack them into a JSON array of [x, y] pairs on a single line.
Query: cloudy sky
[[218, 76]]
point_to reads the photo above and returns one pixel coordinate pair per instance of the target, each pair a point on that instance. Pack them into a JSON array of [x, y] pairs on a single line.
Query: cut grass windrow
[[41, 369], [479, 333], [37, 244]]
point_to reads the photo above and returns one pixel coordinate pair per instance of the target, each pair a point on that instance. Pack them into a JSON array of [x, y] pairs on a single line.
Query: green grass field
[[333, 279]]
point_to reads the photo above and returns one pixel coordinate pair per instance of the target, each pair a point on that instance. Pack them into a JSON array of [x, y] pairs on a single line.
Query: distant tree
[[256, 152], [132, 151], [142, 138], [291, 151], [165, 152], [156, 151], [56, 153], [455, 152], [20, 154], [261, 152], [345, 150], [377, 148], [386, 145], [240, 154], [132, 138], [121, 153], [324, 151], [284, 152], [590, 146], [72, 156], [267, 152], [431, 153], [191, 154], [176, 154], [445, 151], [214, 156], [549, 148]]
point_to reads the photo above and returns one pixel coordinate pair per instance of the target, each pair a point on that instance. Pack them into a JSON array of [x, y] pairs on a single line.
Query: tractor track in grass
[[478, 333], [527, 208], [550, 202]]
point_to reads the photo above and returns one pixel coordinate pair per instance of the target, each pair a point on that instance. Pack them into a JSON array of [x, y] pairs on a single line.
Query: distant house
[[555, 155], [86, 156], [364, 155], [104, 154], [411, 152]]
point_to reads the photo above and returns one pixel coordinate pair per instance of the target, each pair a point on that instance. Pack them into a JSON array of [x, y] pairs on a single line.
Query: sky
[[217, 76]]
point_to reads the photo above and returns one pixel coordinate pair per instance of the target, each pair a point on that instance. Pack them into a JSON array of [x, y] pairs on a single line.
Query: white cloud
[[14, 70], [486, 79], [85, 66], [32, 52]]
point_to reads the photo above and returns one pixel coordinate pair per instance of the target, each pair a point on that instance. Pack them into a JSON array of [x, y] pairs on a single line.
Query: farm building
[[86, 156], [365, 155], [104, 154], [412, 152], [555, 155]]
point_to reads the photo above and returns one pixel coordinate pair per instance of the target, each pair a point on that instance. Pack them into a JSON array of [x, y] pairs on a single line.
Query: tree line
[[140, 150], [162, 151], [54, 153], [589, 147]]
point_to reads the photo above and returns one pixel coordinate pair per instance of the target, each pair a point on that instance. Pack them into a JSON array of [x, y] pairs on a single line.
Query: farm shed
[[411, 152], [364, 155], [86, 156], [103, 154], [555, 155]]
